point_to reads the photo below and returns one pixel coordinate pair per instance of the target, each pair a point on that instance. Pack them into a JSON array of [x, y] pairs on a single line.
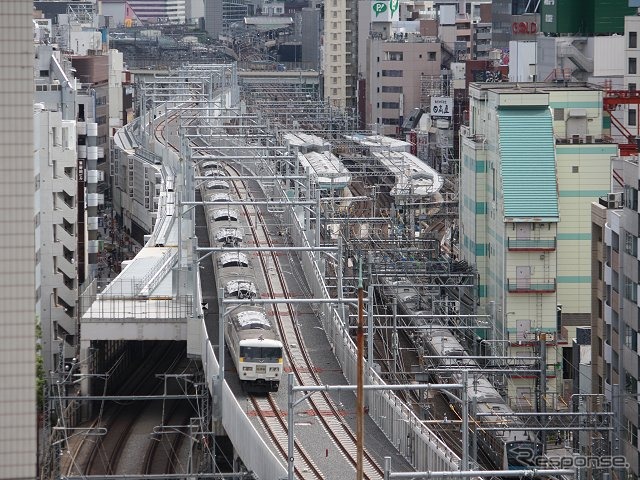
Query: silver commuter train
[[250, 336], [510, 449]]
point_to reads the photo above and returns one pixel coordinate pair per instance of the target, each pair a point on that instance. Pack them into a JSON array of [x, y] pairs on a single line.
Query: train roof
[[413, 176], [229, 234], [217, 185], [396, 287], [326, 169], [306, 141], [485, 393], [251, 320], [225, 213], [218, 197], [261, 342], [233, 258], [377, 143], [214, 172], [241, 288], [444, 343], [211, 164]]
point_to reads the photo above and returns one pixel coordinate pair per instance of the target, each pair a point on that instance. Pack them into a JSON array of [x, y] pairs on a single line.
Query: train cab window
[[266, 354]]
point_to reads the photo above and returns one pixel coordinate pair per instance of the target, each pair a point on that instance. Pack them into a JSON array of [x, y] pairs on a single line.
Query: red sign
[[524, 27]]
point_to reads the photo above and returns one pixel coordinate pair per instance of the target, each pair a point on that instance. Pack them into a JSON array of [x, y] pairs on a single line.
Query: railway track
[[322, 407], [103, 455], [163, 454], [324, 410]]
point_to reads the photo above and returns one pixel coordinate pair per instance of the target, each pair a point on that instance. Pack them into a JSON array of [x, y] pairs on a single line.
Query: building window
[[394, 105], [632, 66], [630, 338], [599, 270], [389, 121], [631, 384], [392, 73], [632, 116], [632, 87], [631, 198], [394, 56], [633, 39], [630, 244], [630, 289], [391, 89]]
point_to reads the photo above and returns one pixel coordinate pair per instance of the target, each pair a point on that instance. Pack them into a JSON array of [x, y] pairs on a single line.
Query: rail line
[[324, 410], [301, 364], [105, 455]]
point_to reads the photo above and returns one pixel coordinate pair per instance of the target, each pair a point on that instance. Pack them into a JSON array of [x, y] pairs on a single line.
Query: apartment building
[[532, 159], [340, 54], [393, 59], [615, 358]]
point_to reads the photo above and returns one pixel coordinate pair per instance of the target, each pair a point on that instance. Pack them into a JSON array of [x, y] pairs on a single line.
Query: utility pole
[[360, 379]]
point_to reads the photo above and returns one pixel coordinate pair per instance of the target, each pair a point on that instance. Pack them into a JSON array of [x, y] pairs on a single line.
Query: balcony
[[531, 244], [531, 285]]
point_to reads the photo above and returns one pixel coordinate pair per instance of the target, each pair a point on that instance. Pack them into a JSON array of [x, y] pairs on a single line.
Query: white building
[[156, 11], [18, 340], [60, 155]]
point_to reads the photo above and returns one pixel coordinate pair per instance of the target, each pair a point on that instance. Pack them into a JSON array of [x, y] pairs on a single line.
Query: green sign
[[379, 7], [393, 6]]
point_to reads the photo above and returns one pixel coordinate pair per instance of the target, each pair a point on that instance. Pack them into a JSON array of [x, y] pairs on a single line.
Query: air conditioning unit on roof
[[614, 200]]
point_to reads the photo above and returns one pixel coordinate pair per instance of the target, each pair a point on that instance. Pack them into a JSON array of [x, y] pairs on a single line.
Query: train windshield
[[265, 354], [522, 454]]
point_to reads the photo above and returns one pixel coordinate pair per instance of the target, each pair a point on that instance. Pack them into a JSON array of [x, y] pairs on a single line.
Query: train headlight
[[274, 369], [280, 360], [247, 369]]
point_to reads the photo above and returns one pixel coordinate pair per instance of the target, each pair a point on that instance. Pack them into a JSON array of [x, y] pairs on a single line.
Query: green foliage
[[40, 380]]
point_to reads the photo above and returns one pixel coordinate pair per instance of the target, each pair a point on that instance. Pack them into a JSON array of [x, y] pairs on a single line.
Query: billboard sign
[[385, 11], [441, 107]]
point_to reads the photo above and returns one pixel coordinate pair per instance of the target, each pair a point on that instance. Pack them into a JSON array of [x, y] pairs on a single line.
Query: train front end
[[260, 364]]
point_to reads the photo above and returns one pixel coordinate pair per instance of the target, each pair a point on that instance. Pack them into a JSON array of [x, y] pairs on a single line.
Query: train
[[508, 449], [250, 336]]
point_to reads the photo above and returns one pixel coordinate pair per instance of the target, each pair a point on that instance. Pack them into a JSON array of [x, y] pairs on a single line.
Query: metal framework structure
[[403, 239]]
